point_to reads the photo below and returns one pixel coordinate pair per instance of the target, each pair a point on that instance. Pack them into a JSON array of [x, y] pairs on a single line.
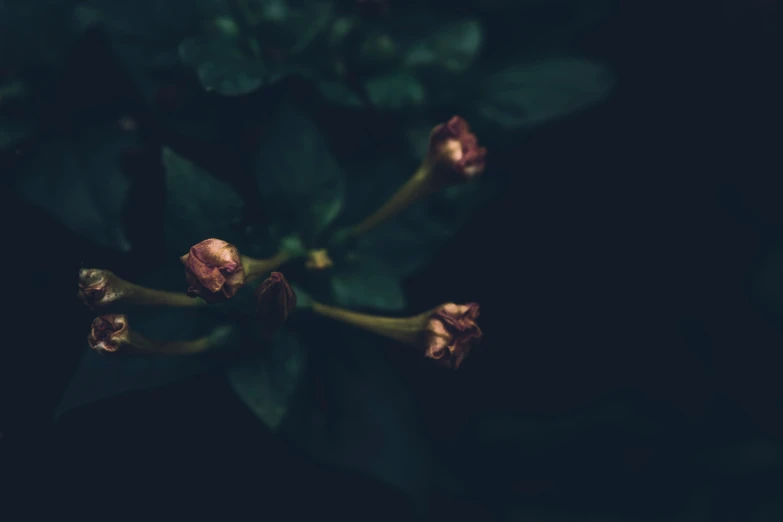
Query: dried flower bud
[[445, 333], [275, 300], [318, 260], [451, 333], [213, 270], [109, 332], [454, 148], [96, 288]]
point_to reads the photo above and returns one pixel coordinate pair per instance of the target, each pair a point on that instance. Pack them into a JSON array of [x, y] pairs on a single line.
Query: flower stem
[[140, 344], [257, 268], [407, 330], [420, 185], [139, 295]]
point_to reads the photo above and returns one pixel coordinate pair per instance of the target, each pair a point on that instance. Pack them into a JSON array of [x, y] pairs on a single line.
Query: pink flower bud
[[275, 300], [446, 333], [454, 148], [213, 270], [108, 333], [318, 260], [95, 287], [451, 333]]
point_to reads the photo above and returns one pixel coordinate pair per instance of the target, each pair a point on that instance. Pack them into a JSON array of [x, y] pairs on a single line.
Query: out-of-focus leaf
[[266, 381], [222, 66], [338, 93], [145, 34], [79, 181], [367, 283], [299, 179], [38, 33], [290, 25], [396, 91], [198, 205], [523, 96], [360, 415], [452, 46]]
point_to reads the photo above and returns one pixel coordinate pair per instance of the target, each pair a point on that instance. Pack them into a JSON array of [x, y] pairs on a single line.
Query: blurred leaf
[[299, 179], [367, 283], [370, 285], [266, 381], [222, 66], [451, 46], [146, 34], [290, 25], [37, 33], [340, 94], [395, 91], [359, 414], [198, 205], [523, 96], [79, 181]]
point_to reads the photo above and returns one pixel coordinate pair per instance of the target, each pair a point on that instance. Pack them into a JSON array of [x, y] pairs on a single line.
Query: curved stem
[[139, 295], [407, 330], [257, 268], [140, 344], [420, 185]]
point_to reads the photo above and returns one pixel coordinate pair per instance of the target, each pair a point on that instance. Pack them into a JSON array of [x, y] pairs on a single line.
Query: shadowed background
[[630, 285]]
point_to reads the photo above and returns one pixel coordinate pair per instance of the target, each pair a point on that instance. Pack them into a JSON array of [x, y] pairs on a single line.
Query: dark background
[[629, 366]]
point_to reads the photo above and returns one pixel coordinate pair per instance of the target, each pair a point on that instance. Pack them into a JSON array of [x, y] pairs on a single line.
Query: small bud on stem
[[101, 288], [445, 333], [112, 333], [453, 157]]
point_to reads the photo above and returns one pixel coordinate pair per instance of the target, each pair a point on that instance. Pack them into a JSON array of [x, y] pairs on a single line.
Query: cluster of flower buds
[[215, 272]]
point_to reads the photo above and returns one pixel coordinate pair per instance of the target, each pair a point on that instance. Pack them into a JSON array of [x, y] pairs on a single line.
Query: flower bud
[[446, 333], [318, 260], [451, 333], [455, 149], [96, 288], [213, 270], [109, 332], [275, 300], [453, 156]]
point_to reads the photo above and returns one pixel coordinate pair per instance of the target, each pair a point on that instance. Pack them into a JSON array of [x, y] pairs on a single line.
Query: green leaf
[[337, 93], [451, 46], [198, 206], [222, 66], [79, 181], [298, 178], [396, 91], [145, 35], [367, 283], [360, 415], [292, 25], [267, 381], [523, 96]]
